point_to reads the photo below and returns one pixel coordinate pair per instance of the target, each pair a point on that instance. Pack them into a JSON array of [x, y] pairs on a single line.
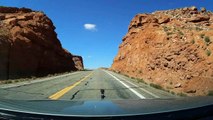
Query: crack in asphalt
[[73, 96]]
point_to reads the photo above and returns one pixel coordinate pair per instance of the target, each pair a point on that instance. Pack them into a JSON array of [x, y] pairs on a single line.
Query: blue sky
[[95, 28]]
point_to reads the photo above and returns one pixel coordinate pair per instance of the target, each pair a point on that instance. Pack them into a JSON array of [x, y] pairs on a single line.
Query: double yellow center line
[[60, 93]]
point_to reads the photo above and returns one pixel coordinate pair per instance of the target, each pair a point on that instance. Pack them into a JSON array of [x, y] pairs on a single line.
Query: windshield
[[105, 50]]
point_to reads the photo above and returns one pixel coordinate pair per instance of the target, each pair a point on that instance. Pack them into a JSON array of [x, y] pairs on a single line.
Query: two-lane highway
[[83, 85]]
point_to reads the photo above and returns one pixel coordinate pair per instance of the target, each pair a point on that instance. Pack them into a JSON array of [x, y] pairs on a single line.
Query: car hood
[[105, 108]]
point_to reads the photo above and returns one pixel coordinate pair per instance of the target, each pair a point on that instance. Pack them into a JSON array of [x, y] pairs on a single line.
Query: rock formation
[[170, 48], [29, 46], [78, 62]]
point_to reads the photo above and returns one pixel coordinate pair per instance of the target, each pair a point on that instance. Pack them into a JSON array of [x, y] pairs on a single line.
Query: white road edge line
[[135, 92], [141, 88]]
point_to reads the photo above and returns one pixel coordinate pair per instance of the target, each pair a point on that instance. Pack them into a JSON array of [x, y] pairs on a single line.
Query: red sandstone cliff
[[170, 48], [29, 45]]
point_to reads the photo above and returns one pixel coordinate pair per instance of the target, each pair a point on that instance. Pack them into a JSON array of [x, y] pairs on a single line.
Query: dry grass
[[156, 86], [210, 93]]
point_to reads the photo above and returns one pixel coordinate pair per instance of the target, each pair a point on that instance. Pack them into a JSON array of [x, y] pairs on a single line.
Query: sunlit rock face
[[29, 45], [170, 48]]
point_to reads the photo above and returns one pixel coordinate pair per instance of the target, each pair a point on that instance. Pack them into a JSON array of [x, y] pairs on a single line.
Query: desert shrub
[[202, 35], [193, 41], [8, 82], [156, 86], [210, 93], [169, 33], [126, 75], [172, 92], [208, 52], [140, 80], [198, 29], [207, 39], [140, 71], [181, 94], [180, 33], [166, 28]]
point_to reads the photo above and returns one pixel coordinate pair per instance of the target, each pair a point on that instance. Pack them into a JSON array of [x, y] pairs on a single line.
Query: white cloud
[[91, 27], [89, 56]]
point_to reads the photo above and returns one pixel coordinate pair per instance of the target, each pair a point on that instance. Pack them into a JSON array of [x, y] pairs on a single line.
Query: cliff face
[[170, 48], [29, 45]]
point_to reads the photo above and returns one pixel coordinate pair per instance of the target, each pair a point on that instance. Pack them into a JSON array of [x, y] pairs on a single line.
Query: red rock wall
[[29, 46], [166, 48]]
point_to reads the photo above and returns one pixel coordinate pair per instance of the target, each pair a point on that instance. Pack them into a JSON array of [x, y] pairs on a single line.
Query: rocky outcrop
[[170, 48], [29, 45], [78, 62]]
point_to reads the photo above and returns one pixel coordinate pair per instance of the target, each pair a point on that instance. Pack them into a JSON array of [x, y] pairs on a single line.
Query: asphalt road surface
[[82, 85]]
